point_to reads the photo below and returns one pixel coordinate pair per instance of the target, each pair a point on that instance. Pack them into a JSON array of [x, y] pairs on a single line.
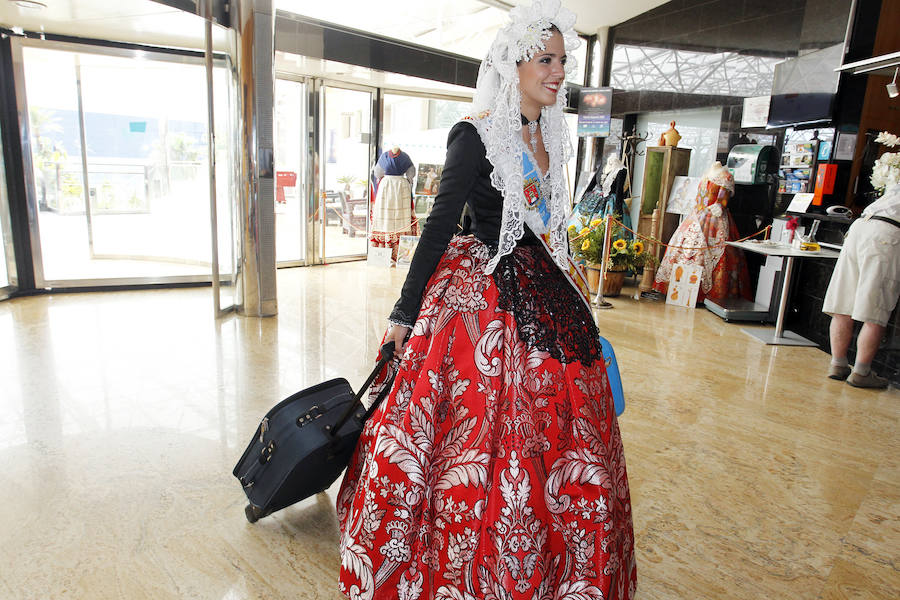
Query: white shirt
[[886, 206]]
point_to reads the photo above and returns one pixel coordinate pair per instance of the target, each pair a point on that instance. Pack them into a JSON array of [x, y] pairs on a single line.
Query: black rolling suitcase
[[304, 443]]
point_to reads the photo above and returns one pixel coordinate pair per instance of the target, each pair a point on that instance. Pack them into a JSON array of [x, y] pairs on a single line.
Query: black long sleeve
[[464, 170]]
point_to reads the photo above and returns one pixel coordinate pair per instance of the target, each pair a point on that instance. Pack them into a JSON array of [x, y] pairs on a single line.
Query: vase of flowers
[[886, 170], [586, 244]]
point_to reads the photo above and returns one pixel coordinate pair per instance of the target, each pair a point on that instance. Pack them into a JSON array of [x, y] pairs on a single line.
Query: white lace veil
[[497, 117]]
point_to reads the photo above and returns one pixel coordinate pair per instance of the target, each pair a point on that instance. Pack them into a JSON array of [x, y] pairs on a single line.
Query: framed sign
[[428, 179], [684, 285], [594, 112], [845, 146]]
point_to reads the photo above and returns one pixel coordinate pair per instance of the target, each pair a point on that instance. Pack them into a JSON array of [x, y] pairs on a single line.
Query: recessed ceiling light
[[30, 4]]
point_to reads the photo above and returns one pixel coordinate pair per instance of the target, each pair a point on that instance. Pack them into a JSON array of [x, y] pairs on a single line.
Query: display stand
[[661, 165], [778, 336], [738, 309]]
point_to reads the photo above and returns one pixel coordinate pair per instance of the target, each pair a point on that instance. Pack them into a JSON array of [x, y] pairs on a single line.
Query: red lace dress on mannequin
[[701, 240]]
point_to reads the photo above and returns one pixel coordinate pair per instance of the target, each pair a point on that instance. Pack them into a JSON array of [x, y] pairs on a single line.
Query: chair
[[356, 215], [334, 207]]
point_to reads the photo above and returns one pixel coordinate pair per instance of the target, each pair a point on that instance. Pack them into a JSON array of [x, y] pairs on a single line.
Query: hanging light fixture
[[29, 4], [892, 86]]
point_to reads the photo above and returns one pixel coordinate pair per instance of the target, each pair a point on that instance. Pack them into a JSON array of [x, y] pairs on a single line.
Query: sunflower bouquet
[[586, 244]]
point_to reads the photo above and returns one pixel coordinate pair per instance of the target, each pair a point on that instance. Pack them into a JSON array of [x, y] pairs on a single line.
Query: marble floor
[[123, 413]]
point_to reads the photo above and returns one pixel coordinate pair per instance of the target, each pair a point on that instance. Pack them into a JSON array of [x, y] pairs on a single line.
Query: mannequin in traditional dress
[[605, 196], [701, 240], [393, 211]]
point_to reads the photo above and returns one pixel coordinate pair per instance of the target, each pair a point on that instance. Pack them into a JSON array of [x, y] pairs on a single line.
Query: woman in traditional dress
[[701, 240], [494, 468], [393, 211]]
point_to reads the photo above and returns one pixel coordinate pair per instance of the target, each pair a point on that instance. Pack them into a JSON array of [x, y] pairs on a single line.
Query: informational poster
[[406, 249], [683, 196], [379, 257], [684, 285], [800, 202], [594, 109], [428, 179], [756, 112]]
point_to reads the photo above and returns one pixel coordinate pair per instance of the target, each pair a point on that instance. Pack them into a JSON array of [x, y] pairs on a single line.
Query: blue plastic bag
[[612, 373]]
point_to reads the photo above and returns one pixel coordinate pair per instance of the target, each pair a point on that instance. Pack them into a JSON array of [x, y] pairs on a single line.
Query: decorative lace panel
[[609, 180], [548, 312], [497, 103]]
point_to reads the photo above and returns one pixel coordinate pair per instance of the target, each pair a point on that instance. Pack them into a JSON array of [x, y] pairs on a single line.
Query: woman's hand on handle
[[397, 334]]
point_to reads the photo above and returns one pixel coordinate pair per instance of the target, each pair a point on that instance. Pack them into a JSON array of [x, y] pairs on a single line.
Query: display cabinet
[[662, 164]]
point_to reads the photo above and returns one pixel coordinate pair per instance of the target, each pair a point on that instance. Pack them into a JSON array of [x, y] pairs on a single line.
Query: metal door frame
[[151, 53], [304, 172], [320, 149]]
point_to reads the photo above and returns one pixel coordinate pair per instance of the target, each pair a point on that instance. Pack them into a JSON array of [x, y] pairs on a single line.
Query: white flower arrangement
[[888, 139], [886, 171]]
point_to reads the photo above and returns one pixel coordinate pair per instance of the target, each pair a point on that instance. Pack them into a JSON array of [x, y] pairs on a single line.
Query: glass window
[[580, 54], [699, 131], [146, 212], [420, 126], [596, 66], [691, 72]]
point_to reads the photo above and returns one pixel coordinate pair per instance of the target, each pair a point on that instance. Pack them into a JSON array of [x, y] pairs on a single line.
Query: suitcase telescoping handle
[[385, 356]]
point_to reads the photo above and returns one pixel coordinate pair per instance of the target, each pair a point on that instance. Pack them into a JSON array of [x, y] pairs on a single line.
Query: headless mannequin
[[613, 181], [379, 172]]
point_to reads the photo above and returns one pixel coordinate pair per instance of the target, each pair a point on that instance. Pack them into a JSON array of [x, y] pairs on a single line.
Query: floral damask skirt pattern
[[494, 468]]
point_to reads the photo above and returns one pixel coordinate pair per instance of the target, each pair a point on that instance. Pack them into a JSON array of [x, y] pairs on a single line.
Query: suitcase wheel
[[253, 513]]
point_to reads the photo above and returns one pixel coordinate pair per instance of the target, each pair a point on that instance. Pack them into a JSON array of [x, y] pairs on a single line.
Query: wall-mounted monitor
[[804, 88]]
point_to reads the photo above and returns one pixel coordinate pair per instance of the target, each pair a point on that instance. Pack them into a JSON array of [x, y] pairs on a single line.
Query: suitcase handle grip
[[384, 357], [386, 354]]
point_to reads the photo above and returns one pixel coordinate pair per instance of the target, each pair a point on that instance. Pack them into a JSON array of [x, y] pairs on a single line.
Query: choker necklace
[[532, 129]]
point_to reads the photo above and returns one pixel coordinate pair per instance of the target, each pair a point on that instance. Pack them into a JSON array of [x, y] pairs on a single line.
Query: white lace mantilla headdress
[[497, 106]]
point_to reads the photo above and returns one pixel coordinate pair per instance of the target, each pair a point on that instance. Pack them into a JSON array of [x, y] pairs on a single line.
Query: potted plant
[[624, 254], [347, 181]]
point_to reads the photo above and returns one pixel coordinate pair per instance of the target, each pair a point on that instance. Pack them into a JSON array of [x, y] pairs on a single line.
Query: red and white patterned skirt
[[494, 469]]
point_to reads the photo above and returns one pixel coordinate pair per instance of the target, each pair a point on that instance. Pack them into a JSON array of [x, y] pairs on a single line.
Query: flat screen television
[[804, 88]]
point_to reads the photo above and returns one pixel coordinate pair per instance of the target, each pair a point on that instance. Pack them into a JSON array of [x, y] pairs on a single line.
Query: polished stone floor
[[122, 414]]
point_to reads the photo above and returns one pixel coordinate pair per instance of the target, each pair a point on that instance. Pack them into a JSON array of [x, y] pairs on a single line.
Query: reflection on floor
[[122, 414]]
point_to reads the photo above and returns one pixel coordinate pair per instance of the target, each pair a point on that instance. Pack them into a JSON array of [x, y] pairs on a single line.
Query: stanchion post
[[599, 302]]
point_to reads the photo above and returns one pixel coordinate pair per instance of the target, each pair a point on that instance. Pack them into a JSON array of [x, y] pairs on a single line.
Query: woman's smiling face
[[541, 78]]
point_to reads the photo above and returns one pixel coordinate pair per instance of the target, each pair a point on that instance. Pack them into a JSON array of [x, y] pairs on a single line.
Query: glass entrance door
[[347, 157], [322, 174], [119, 164], [291, 156]]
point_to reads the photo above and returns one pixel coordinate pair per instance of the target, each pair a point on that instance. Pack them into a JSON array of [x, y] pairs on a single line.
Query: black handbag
[[304, 442]]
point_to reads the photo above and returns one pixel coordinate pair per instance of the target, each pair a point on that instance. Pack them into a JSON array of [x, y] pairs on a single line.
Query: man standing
[[864, 287]]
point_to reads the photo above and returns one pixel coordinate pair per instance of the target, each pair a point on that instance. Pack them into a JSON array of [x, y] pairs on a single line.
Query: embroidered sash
[[536, 201]]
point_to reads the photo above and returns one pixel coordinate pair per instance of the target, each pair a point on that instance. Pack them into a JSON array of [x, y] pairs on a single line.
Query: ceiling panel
[[137, 21], [461, 26]]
